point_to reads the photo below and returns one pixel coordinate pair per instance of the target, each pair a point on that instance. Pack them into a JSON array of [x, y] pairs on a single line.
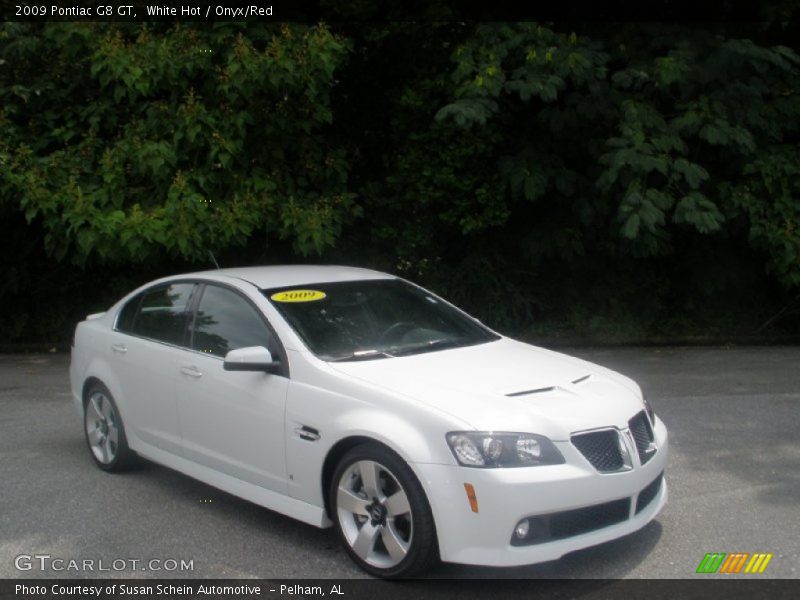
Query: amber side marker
[[473, 499]]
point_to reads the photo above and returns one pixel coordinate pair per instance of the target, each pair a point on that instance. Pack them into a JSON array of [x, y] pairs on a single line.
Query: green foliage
[[132, 143], [651, 123], [575, 173], [769, 196]]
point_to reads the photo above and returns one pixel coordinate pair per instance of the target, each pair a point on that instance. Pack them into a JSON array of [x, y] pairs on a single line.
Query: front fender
[[337, 417]]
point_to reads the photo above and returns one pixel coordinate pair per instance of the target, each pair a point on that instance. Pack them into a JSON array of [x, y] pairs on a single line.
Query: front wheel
[[381, 513]]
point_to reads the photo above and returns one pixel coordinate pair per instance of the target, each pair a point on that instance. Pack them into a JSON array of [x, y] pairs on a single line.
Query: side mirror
[[253, 358]]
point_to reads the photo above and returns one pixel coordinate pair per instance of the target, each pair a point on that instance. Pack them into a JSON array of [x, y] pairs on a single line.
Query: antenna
[[214, 260]]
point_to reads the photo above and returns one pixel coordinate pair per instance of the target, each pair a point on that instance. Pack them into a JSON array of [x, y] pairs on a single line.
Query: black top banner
[[385, 10]]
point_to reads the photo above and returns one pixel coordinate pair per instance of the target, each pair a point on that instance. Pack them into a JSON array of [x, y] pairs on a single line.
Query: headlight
[[650, 412], [493, 449]]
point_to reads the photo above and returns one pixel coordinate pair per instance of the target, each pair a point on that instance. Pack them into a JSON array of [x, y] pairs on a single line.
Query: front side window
[[162, 314], [360, 320], [225, 321]]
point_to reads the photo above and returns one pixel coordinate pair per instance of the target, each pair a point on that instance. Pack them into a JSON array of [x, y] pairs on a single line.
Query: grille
[[647, 494], [601, 448], [561, 525], [642, 435]]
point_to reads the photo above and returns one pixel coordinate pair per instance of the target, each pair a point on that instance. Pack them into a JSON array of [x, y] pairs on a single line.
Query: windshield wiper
[[362, 355], [373, 353], [427, 346]]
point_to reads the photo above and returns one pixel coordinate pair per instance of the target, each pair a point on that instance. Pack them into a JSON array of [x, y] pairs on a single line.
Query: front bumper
[[505, 496]]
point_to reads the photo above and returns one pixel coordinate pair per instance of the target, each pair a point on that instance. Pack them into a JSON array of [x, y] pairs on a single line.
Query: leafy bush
[[586, 177]]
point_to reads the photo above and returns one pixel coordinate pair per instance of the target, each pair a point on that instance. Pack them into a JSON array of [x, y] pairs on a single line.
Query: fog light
[[522, 529]]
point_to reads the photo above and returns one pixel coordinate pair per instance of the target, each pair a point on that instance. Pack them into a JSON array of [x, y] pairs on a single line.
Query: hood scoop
[[528, 392], [542, 390]]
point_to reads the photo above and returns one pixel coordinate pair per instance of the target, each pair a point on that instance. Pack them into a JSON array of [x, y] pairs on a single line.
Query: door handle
[[191, 371], [119, 348]]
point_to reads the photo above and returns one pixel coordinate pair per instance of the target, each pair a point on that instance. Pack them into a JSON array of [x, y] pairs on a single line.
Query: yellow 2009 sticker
[[298, 296]]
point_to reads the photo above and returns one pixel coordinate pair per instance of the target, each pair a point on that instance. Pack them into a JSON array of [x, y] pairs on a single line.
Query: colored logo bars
[[733, 563]]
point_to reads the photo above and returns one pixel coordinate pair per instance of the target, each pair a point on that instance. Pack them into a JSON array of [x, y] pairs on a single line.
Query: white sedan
[[348, 397]]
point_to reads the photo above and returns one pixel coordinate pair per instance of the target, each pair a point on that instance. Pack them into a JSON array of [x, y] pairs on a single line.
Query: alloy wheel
[[374, 514], [102, 430]]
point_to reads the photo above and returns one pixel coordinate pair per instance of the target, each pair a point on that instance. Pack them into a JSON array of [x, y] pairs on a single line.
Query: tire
[[104, 431], [381, 514]]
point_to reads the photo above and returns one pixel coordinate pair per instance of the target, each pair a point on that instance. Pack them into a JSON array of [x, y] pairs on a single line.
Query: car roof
[[288, 275]]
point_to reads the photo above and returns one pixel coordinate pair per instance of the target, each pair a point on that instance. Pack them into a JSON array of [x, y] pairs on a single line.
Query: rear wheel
[[104, 430], [381, 513]]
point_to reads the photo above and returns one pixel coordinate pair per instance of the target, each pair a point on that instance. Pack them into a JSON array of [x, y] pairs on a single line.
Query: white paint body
[[238, 431]]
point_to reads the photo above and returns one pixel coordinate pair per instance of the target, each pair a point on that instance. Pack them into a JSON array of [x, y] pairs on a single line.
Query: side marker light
[[473, 499]]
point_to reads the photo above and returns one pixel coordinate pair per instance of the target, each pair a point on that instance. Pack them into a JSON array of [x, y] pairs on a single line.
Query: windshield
[[373, 319]]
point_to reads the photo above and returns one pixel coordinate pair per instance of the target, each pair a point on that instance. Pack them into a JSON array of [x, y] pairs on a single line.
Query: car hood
[[506, 385]]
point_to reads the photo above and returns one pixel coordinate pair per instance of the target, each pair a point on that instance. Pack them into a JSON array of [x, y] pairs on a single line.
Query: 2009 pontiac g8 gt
[[348, 397]]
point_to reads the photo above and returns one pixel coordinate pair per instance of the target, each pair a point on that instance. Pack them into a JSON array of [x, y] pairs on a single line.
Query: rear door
[[150, 330], [232, 421]]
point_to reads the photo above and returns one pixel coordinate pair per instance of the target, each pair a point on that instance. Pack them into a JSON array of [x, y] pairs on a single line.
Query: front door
[[232, 421]]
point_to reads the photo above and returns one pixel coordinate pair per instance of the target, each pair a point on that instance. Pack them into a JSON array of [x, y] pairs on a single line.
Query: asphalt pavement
[[734, 481]]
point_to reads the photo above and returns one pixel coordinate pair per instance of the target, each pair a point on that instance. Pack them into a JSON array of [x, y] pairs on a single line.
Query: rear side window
[[128, 313], [162, 313], [226, 321]]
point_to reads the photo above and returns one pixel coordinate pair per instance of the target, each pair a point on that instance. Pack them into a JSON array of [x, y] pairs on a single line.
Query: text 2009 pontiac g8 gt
[[351, 397]]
